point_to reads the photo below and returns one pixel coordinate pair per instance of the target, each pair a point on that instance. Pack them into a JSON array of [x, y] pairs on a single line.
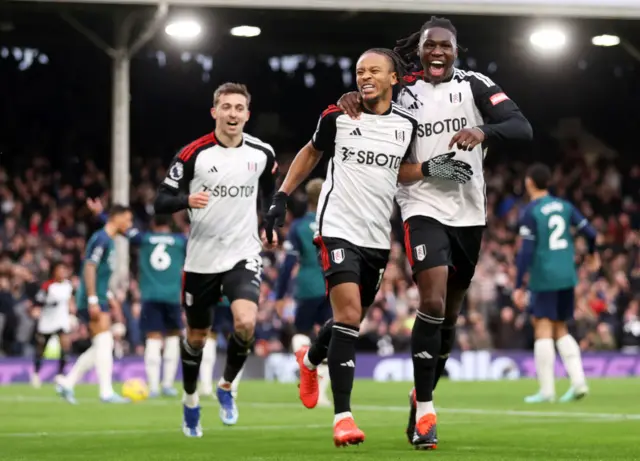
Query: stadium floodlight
[[183, 29], [548, 39], [245, 31], [605, 40]]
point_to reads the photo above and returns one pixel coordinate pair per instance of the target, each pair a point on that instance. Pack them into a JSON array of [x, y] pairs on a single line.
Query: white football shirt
[[54, 299], [356, 201], [225, 232], [467, 100]]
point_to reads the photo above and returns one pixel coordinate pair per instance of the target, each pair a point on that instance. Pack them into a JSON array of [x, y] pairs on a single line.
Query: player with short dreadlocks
[[353, 226], [442, 196]]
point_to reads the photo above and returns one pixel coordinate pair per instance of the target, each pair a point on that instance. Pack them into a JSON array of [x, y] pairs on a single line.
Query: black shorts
[[344, 262], [429, 243], [201, 291]]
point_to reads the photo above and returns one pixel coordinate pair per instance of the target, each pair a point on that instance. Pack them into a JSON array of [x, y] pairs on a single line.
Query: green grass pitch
[[477, 420]]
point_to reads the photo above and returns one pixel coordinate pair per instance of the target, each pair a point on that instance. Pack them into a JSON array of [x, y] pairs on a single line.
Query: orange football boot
[[426, 435], [308, 387], [345, 433]]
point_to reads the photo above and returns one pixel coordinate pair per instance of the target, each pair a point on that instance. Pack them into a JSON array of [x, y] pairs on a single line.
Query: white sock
[[103, 343], [323, 381], [152, 361], [170, 359], [424, 408], [544, 354], [83, 364], [299, 341], [236, 383], [307, 362], [570, 353], [191, 400], [341, 416], [206, 366]]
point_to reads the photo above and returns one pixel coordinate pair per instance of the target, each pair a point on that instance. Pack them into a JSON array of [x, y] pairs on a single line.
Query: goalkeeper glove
[[445, 167]]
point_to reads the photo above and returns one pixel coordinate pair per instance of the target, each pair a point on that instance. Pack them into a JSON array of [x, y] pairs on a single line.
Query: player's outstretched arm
[[504, 119]]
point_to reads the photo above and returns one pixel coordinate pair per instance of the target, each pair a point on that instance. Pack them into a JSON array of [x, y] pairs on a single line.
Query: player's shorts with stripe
[[201, 291], [344, 262], [429, 243], [311, 312], [83, 314], [159, 316], [553, 305]]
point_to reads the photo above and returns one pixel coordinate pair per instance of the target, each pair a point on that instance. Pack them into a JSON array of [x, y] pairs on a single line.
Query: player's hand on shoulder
[[467, 138], [95, 206], [198, 199], [351, 104], [445, 166]]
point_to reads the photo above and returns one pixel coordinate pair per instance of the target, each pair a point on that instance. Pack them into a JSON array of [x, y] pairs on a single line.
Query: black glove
[[445, 167], [276, 214]]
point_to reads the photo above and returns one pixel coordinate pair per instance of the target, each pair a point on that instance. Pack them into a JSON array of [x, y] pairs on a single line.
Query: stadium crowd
[[43, 217]]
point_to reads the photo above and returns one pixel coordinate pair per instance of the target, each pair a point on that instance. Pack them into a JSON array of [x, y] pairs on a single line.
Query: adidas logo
[[423, 355], [349, 364], [356, 132], [213, 169], [414, 106]]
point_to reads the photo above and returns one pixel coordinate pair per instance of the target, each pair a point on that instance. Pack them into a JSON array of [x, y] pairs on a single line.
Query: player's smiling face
[[231, 113], [375, 76], [438, 51]]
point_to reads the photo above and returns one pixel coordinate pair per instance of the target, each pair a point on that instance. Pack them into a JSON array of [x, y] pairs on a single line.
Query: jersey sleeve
[[268, 178], [584, 227], [414, 131], [40, 298], [527, 245], [503, 118], [324, 137], [173, 193], [96, 250]]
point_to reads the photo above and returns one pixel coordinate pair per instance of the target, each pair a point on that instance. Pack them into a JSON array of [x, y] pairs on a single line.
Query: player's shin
[[62, 361], [236, 383], [545, 357], [191, 355], [152, 362], [342, 358], [207, 365], [85, 362], [447, 339], [237, 353], [170, 358], [570, 353], [319, 348], [103, 343], [425, 349]]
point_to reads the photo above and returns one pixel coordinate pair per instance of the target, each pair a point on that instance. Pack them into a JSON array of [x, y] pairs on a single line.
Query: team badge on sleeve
[[498, 98], [177, 171]]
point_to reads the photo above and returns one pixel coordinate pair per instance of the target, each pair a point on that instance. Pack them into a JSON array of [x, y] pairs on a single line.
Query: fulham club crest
[[252, 166], [400, 135], [337, 255], [455, 98], [421, 252]]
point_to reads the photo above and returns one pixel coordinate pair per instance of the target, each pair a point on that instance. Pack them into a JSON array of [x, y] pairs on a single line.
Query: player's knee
[[560, 330], [349, 312], [433, 305], [245, 324], [154, 335], [197, 338], [543, 328]]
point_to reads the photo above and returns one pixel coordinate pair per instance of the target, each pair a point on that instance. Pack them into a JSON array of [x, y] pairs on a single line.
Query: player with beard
[[442, 196], [353, 226]]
